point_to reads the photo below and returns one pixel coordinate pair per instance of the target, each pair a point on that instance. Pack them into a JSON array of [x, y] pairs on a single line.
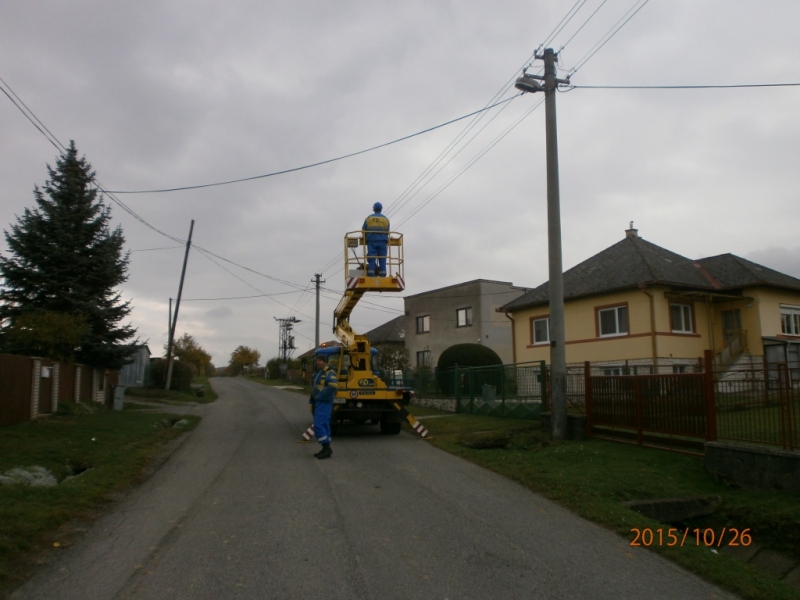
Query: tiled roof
[[733, 271], [392, 331], [635, 262]]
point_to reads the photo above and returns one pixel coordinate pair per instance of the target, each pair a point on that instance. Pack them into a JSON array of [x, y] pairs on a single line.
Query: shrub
[[181, 375]]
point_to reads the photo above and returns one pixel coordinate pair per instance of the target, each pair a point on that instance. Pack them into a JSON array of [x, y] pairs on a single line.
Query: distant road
[[242, 510]]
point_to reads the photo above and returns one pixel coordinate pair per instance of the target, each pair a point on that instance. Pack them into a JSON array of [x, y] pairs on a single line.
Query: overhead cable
[[316, 164]]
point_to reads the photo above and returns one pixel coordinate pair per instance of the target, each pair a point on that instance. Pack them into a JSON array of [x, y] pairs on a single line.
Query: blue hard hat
[[377, 207]]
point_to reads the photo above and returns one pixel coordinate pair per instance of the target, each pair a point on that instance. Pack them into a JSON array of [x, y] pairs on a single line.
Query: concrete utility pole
[[316, 336], [177, 306], [558, 355]]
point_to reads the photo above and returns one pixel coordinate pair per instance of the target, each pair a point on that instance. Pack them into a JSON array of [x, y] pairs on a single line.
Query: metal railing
[[516, 390]]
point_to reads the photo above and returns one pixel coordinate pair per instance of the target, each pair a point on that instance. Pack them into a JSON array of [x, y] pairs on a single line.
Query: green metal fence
[[515, 391]]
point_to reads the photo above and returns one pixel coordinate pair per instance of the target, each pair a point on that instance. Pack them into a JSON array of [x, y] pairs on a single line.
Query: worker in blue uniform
[[376, 231], [323, 390]]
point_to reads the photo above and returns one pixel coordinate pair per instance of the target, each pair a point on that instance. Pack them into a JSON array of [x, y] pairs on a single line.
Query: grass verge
[[593, 478], [105, 452], [208, 393]]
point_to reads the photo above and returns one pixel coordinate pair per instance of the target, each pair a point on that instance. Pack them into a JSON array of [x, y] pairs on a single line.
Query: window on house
[[680, 316], [540, 331], [613, 321], [679, 369], [424, 358], [790, 320], [610, 371], [423, 324], [464, 317]]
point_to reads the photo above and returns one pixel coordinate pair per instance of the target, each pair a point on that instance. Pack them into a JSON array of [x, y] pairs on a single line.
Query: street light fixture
[[529, 83]]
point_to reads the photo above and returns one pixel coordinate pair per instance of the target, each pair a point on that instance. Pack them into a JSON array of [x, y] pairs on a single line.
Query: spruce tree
[[63, 267]]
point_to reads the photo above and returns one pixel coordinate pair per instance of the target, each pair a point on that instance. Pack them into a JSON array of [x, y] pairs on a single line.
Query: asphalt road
[[242, 510]]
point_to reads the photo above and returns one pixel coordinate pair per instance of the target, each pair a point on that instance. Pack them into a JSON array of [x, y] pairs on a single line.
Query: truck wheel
[[390, 427], [334, 427]]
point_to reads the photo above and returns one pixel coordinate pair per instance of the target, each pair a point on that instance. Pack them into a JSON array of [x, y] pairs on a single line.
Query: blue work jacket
[[377, 228], [323, 386]]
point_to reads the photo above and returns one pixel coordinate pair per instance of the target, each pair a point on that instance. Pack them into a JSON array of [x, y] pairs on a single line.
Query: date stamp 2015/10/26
[[699, 537]]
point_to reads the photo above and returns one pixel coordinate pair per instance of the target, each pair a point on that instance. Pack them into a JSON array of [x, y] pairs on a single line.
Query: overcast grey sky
[[171, 93]]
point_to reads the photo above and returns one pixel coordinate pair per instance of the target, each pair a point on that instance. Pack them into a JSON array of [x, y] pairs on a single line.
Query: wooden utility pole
[[177, 306]]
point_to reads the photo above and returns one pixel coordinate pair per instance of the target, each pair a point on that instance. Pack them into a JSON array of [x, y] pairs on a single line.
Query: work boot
[[326, 452]]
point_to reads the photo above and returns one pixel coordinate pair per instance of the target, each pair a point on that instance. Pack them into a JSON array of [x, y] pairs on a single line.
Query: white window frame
[[467, 317], [680, 325], [425, 321], [544, 341], [423, 358], [790, 320], [618, 330]]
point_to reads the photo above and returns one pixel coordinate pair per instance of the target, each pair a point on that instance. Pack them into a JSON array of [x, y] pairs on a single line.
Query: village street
[[241, 509]]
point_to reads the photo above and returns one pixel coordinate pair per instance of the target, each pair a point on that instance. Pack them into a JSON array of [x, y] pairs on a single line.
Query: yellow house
[[646, 308]]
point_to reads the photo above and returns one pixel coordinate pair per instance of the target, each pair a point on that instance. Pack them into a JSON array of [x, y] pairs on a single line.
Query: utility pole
[[316, 336], [286, 342], [177, 306], [558, 354]]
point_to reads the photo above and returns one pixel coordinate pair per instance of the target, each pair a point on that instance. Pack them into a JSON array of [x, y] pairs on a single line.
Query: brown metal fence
[[23, 395], [759, 405], [85, 393], [66, 382], [673, 410], [16, 377]]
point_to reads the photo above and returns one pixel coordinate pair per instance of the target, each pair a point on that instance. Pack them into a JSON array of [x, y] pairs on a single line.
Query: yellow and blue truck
[[365, 395]]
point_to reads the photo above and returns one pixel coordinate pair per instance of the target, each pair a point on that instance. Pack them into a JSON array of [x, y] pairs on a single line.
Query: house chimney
[[631, 233]]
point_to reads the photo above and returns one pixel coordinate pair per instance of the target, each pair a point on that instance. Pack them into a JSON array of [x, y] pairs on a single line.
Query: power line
[[610, 33], [585, 23], [683, 87], [238, 297], [150, 249], [316, 164]]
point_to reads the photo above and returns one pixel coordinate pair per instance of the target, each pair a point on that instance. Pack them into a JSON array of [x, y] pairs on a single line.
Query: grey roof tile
[[634, 262]]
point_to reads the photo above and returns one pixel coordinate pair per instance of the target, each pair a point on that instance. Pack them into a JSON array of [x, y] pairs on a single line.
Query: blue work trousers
[[376, 250], [322, 421]]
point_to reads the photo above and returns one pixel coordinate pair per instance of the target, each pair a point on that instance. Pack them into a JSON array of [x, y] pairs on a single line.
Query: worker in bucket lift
[[376, 231], [323, 390]]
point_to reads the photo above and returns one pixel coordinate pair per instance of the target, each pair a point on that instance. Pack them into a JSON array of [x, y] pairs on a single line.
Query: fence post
[[36, 383], [457, 388], [545, 388], [587, 396], [502, 369], [470, 383], [638, 388], [785, 406], [56, 385], [541, 384], [711, 411]]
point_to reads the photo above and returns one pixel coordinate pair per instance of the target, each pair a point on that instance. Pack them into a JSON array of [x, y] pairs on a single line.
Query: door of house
[[731, 324]]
